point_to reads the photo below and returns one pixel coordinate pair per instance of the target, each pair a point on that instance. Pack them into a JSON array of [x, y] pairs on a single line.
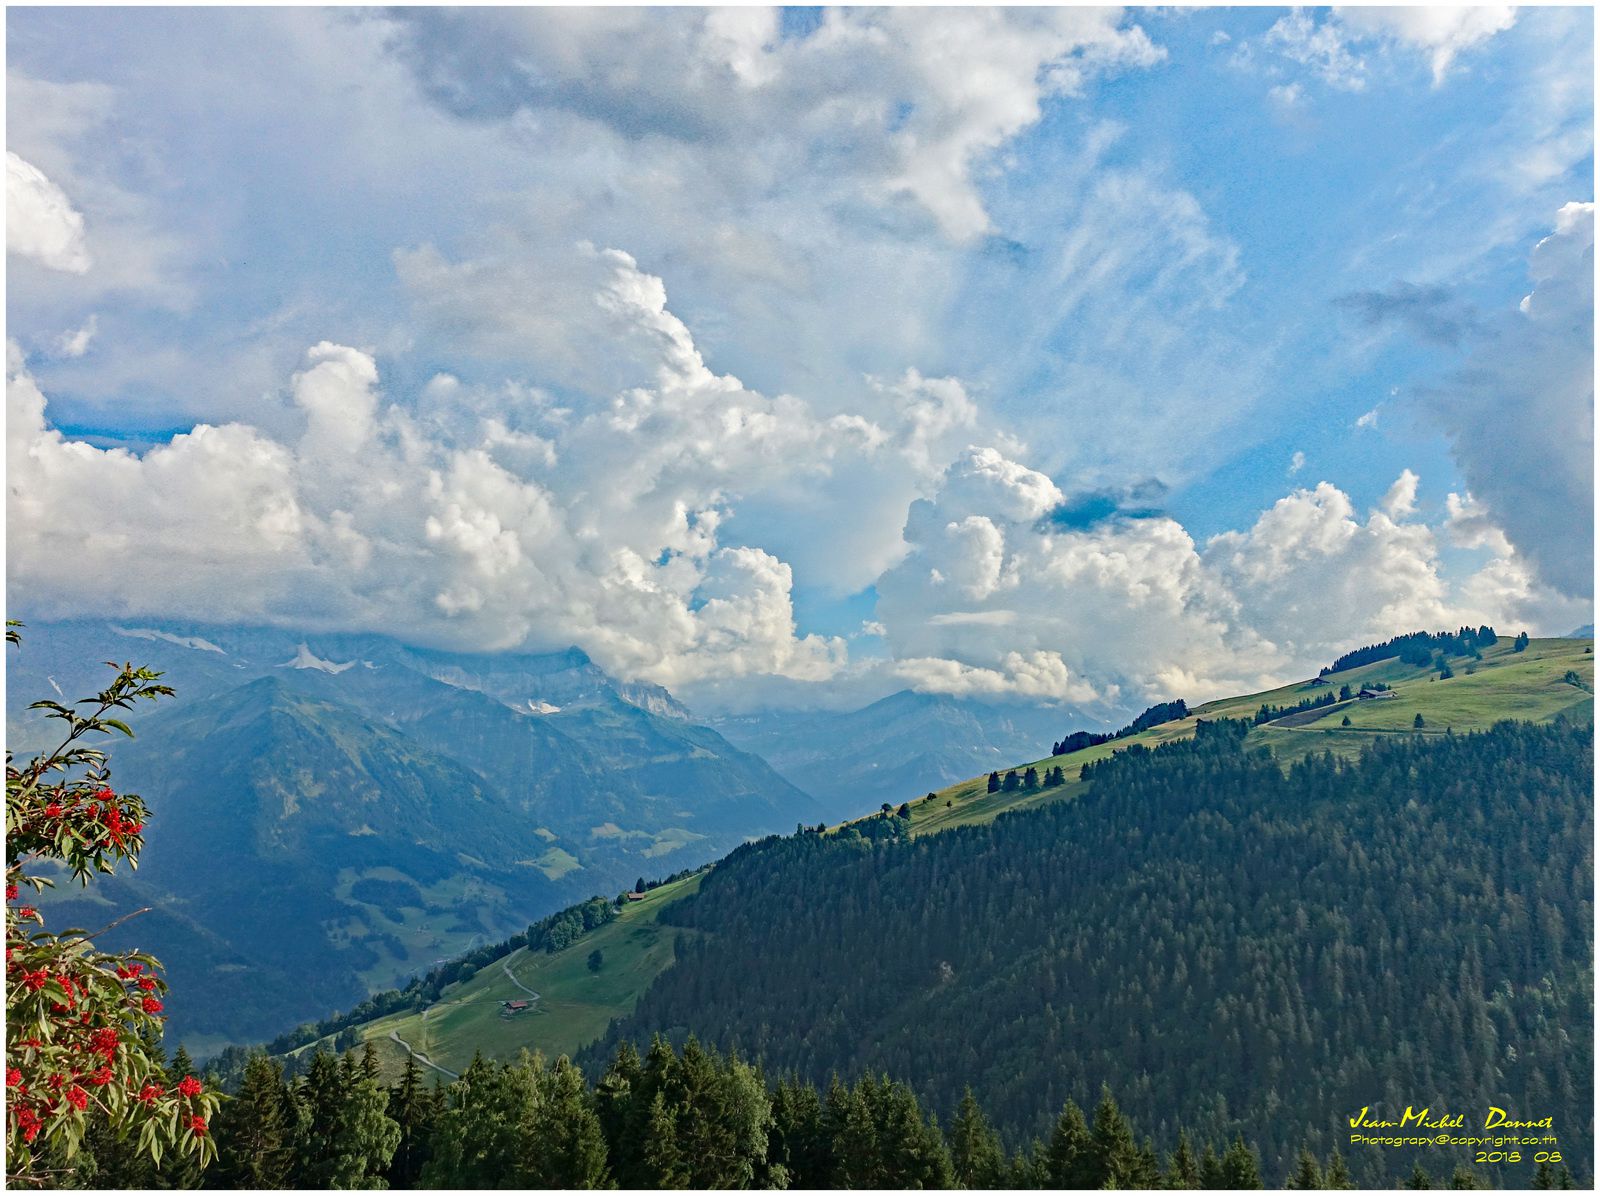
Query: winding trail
[[421, 1058], [505, 964]]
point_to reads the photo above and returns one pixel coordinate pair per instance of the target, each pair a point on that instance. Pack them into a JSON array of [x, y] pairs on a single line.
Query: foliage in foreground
[[81, 1024]]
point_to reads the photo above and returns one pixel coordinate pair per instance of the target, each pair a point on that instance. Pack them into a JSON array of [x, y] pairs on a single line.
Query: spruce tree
[[975, 1151], [796, 1141], [475, 1139], [1337, 1176], [1306, 1176], [1240, 1167], [1183, 1170], [614, 1101], [414, 1107], [252, 1130], [176, 1170], [1069, 1159], [660, 1161], [1419, 1180], [1113, 1150], [563, 1145]]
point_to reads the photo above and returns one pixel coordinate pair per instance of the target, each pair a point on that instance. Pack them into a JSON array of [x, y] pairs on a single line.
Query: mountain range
[[905, 743], [335, 813], [332, 813]]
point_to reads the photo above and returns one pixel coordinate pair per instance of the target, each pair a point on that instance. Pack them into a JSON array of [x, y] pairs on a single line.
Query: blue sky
[[1073, 355]]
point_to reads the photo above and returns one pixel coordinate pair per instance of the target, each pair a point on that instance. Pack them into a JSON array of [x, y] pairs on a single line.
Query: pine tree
[[414, 1107], [1113, 1150], [1212, 1175], [1337, 1175], [975, 1151], [660, 1160], [252, 1130], [1183, 1171], [1240, 1168], [1069, 1161], [562, 1142], [1462, 1178], [1306, 1176], [994, 782], [1419, 1180]]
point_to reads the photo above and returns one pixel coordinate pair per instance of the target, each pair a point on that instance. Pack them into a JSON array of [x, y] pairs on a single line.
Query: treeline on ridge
[[1161, 712], [1418, 648], [1231, 946]]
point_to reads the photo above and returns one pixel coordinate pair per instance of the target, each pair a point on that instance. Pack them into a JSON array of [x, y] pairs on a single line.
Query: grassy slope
[[1504, 684], [575, 1006]]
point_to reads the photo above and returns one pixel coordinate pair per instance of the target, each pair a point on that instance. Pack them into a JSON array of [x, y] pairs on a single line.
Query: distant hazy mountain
[[1586, 632], [899, 747], [332, 813]]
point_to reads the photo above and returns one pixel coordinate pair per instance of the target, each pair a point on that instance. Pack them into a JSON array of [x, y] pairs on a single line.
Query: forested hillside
[[1231, 946]]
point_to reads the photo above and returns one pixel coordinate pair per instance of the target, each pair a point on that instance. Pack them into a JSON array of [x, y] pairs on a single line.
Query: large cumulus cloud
[[488, 522], [1520, 413], [995, 595]]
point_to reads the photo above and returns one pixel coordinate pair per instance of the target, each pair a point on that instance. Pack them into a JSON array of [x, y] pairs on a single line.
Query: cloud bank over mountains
[[720, 310], [498, 521]]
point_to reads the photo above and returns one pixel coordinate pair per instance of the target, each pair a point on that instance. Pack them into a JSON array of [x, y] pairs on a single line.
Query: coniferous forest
[[687, 1118], [1232, 948]]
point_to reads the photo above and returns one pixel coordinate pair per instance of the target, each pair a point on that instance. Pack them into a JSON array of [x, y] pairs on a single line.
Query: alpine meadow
[[800, 598]]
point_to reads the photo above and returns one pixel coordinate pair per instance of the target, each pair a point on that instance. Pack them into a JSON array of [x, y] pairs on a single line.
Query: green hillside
[[1528, 685], [575, 1006], [1230, 945]]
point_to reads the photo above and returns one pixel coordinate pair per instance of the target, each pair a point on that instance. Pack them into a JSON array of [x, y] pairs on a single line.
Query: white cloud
[[895, 104], [1297, 462], [1440, 31], [1322, 48], [1400, 500], [1367, 419], [993, 597], [76, 343], [1332, 48], [488, 524], [1520, 413], [41, 222]]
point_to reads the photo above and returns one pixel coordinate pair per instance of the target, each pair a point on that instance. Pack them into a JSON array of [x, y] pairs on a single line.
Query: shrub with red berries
[[79, 1021]]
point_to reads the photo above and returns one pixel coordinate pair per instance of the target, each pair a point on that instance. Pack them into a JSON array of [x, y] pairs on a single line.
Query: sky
[[793, 357]]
